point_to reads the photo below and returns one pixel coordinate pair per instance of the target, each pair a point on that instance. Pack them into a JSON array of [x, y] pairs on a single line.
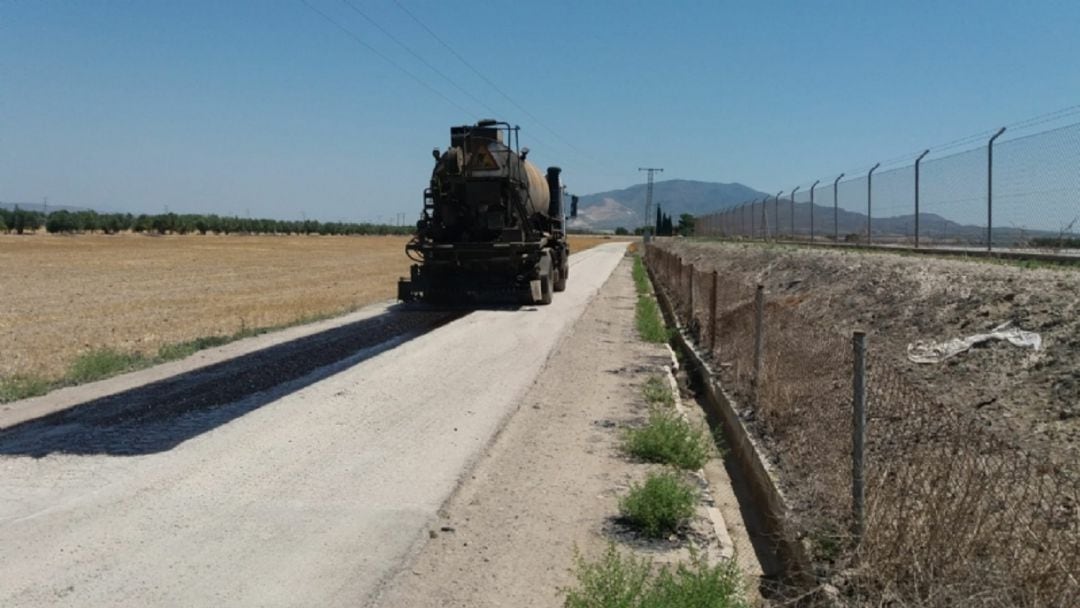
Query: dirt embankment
[[1031, 397]]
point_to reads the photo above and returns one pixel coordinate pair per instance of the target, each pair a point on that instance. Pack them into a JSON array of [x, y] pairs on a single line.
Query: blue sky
[[267, 108]]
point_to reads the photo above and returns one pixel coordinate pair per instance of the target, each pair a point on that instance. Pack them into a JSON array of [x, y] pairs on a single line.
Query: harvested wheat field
[[61, 296]]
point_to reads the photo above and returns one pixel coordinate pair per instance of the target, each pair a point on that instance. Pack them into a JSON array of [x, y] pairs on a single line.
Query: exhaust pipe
[[555, 190]]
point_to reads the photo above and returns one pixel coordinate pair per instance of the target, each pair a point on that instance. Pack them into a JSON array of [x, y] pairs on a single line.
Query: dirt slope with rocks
[[1028, 396]]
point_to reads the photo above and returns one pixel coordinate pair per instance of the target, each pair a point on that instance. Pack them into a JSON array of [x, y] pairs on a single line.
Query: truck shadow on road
[[159, 416]]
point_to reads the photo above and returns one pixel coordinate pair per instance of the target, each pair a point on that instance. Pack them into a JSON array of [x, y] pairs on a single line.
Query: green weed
[[641, 277], [618, 581], [657, 391], [102, 363], [181, 350], [650, 324], [22, 387], [660, 505], [668, 439]]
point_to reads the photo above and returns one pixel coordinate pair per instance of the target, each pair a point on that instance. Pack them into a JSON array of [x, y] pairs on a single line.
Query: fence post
[[917, 161], [858, 437], [759, 336], [990, 190], [753, 227], [670, 270], [792, 235], [776, 215], [682, 282], [812, 209], [835, 209], [869, 195], [713, 297], [765, 219], [690, 299]]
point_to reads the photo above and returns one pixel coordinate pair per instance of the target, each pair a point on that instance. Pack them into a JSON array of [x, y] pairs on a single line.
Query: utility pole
[[648, 200]]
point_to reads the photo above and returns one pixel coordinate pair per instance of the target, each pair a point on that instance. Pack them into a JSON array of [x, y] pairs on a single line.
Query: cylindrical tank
[[539, 197]]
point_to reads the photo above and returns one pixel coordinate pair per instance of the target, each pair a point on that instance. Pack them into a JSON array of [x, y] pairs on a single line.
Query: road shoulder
[[550, 483]]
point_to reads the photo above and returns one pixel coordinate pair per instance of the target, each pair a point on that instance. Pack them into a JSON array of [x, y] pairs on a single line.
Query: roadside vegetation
[[662, 505], [623, 581], [668, 439], [659, 506], [657, 391], [22, 387], [649, 321], [101, 363], [641, 276]]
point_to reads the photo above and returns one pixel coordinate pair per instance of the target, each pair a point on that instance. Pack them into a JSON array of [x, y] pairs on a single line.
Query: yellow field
[[61, 296]]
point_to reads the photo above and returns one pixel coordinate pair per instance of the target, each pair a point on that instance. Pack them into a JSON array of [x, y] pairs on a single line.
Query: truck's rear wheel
[[546, 288], [560, 280]]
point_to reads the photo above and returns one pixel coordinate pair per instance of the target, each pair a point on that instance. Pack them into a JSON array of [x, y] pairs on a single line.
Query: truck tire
[[560, 280], [547, 276], [546, 291]]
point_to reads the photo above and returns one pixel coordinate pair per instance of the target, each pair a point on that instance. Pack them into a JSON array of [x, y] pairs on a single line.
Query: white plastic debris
[[936, 352]]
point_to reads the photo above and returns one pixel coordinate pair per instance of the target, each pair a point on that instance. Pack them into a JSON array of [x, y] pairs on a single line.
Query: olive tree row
[[70, 222]]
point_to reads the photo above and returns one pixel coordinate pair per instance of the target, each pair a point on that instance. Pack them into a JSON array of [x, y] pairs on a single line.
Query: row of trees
[[664, 226], [69, 222], [20, 220]]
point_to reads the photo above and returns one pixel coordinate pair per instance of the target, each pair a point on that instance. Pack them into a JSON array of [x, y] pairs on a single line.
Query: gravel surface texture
[[551, 482]]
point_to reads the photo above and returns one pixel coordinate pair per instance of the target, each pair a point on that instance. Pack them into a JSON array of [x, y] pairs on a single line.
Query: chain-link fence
[[1012, 193], [954, 514]]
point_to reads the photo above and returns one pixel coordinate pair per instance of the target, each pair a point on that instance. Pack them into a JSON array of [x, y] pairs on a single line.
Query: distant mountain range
[[625, 208], [40, 207]]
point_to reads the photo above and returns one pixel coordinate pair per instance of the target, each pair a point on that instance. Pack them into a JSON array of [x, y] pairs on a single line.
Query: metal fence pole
[[990, 190], [753, 228], [776, 215], [869, 195], [793, 211], [713, 301], [812, 209], [835, 209], [765, 219], [759, 335], [858, 437], [917, 161]]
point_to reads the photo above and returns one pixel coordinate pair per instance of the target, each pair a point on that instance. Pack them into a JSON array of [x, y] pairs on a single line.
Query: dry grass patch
[[63, 297]]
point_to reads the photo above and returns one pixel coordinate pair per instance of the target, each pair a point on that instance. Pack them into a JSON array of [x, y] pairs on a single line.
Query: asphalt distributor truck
[[492, 224]]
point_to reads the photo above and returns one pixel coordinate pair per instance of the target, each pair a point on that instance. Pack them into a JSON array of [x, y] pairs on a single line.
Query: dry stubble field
[[62, 296]]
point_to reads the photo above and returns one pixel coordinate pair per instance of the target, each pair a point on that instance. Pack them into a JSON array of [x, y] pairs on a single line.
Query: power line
[[488, 81], [387, 59], [419, 58], [494, 113]]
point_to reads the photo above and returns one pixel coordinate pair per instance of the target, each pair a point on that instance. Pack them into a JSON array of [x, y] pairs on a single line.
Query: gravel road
[[307, 492]]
